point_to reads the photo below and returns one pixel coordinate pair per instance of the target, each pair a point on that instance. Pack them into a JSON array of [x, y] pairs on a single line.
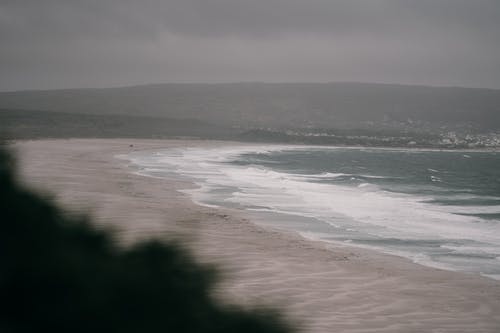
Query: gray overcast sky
[[101, 43]]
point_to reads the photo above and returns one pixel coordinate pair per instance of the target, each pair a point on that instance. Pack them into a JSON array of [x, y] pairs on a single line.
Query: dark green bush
[[59, 274]]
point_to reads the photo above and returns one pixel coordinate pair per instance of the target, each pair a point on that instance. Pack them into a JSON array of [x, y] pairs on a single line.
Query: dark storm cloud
[[69, 42]]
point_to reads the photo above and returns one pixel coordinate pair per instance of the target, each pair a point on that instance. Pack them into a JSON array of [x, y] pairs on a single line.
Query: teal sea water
[[438, 208]]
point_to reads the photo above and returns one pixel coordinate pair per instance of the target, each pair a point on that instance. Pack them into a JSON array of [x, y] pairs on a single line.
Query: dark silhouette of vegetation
[[59, 274]]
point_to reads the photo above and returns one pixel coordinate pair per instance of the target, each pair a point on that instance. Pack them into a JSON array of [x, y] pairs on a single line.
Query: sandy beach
[[321, 287]]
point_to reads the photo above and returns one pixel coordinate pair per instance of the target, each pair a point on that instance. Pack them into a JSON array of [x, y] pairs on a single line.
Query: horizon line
[[247, 82]]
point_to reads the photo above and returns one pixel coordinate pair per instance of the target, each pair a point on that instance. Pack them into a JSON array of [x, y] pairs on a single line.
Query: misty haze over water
[[361, 124]]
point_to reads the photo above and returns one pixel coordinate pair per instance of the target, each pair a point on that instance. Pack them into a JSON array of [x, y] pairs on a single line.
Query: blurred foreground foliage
[[58, 274]]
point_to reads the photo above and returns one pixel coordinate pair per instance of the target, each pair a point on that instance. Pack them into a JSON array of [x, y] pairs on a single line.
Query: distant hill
[[29, 124], [285, 105]]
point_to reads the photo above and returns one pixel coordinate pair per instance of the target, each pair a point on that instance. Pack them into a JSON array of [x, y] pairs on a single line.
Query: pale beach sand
[[321, 287]]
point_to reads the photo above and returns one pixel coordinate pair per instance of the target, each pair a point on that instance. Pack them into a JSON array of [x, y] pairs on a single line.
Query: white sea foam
[[363, 209], [393, 215], [329, 175], [435, 179], [491, 276], [478, 250], [471, 210], [338, 175]]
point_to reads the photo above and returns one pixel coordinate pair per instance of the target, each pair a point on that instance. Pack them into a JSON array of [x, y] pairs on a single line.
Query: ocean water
[[438, 208]]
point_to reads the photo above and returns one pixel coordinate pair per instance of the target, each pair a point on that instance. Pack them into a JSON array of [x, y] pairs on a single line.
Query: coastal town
[[451, 139]]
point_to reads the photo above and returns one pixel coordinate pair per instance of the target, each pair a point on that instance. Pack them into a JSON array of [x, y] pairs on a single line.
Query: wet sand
[[321, 287]]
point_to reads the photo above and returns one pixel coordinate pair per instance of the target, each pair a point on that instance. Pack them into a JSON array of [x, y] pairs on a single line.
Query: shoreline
[[492, 149], [149, 163], [323, 286]]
